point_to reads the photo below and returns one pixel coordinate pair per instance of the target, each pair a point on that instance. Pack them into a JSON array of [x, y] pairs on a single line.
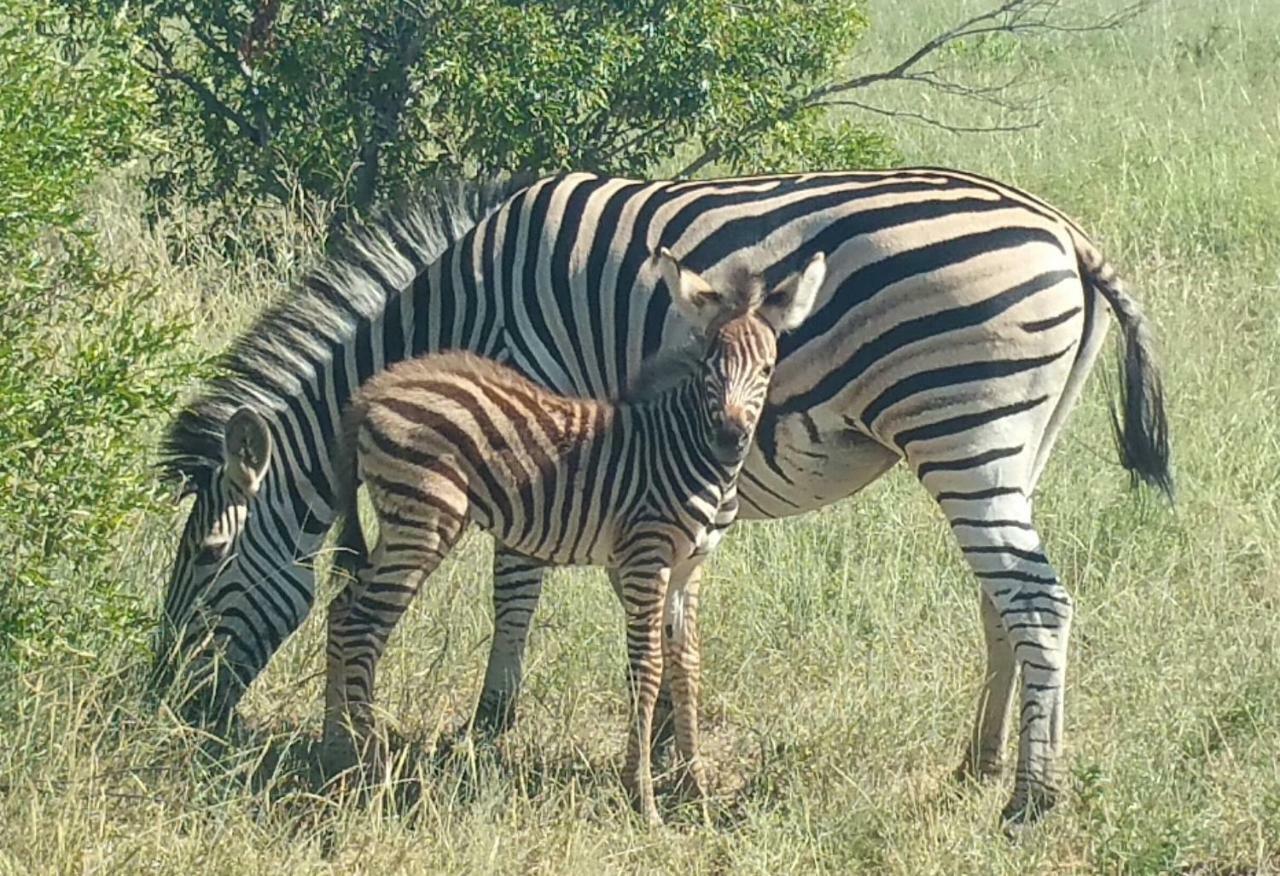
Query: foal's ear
[[789, 303], [691, 295], [246, 450]]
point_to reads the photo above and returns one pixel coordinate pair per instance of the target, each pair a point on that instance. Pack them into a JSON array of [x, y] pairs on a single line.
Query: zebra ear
[[790, 302], [691, 295], [246, 450]]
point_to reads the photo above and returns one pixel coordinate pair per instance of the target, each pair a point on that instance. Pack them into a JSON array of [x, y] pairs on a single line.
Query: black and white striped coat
[[954, 332]]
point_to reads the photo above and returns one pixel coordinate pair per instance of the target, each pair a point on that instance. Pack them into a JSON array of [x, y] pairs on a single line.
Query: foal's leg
[[517, 586], [682, 665], [336, 718], [663, 727], [662, 731], [642, 589], [351, 559], [408, 551]]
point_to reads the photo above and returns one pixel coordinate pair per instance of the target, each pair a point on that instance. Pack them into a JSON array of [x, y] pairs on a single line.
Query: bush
[[81, 365], [354, 102]]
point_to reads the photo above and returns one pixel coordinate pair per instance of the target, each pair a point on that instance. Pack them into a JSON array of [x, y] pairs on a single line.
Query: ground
[[842, 650]]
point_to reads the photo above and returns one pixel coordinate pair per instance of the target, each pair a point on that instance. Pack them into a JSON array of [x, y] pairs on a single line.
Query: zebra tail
[[1139, 422], [352, 550]]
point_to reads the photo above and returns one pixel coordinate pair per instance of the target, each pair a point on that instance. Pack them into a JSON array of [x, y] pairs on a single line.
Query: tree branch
[[166, 69], [1019, 18], [1013, 17], [260, 36], [930, 120]]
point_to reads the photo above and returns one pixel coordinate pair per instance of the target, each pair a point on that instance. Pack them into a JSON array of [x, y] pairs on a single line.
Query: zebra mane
[[268, 364], [667, 368], [664, 370]]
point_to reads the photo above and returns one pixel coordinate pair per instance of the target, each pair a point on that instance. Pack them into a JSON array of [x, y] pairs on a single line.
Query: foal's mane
[[668, 368], [663, 371]]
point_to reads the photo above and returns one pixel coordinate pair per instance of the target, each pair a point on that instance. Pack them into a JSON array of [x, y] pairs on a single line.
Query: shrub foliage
[[356, 101], [81, 367]]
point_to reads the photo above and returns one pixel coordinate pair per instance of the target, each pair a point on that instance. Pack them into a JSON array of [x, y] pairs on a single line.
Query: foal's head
[[739, 326]]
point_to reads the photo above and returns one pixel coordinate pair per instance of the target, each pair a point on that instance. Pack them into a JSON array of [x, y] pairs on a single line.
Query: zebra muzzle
[[732, 437]]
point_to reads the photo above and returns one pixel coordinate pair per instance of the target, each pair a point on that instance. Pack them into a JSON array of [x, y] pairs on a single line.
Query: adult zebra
[[955, 329]]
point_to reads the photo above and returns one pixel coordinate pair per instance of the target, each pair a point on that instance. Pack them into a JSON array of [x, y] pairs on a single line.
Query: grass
[[842, 649]]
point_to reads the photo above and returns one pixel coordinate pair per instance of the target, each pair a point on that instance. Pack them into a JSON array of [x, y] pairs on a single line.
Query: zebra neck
[[673, 442]]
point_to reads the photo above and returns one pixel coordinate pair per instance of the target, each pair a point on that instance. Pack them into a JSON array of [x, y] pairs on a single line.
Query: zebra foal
[[643, 485]]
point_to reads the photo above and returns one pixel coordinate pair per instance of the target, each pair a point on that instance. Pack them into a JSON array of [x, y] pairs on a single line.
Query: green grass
[[842, 650]]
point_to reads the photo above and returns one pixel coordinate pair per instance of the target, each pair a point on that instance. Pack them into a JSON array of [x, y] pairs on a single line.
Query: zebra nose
[[732, 434]]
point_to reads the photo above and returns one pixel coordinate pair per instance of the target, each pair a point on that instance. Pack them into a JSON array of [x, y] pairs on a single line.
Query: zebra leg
[[663, 736], [405, 556], [662, 730], [663, 726], [517, 587], [1006, 553], [337, 742], [984, 758], [643, 592], [682, 665], [350, 562]]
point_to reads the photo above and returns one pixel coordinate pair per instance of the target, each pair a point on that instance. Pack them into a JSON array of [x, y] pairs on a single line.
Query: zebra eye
[[767, 370], [211, 551], [207, 555]]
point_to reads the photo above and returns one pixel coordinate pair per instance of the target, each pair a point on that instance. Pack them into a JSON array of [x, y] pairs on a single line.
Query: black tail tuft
[[1139, 422]]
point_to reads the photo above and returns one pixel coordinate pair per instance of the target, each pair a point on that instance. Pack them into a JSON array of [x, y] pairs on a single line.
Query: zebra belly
[[560, 540], [805, 461], [920, 338]]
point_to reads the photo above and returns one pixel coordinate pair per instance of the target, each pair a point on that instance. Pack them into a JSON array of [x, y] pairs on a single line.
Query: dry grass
[[842, 650]]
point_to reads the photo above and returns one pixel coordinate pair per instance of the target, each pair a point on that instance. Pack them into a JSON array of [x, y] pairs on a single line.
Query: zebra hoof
[[978, 770], [691, 791], [646, 808], [643, 801], [494, 717], [337, 756], [1026, 809], [342, 753]]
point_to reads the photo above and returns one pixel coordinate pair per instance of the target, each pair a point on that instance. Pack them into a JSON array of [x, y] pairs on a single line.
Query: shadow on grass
[[284, 767]]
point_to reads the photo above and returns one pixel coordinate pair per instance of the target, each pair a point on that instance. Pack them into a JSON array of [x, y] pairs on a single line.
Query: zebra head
[[739, 326], [207, 554]]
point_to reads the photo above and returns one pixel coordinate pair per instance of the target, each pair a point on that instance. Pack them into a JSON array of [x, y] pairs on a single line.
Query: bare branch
[[1014, 17], [930, 120], [1019, 18], [1004, 95]]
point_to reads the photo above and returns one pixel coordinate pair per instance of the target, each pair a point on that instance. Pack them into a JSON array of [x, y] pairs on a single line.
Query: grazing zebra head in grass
[[260, 508]]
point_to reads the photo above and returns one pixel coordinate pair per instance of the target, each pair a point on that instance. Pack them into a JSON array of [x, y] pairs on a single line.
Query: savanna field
[[842, 651]]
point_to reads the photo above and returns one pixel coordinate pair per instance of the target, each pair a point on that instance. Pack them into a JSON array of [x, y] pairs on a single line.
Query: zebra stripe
[[448, 439], [949, 299]]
